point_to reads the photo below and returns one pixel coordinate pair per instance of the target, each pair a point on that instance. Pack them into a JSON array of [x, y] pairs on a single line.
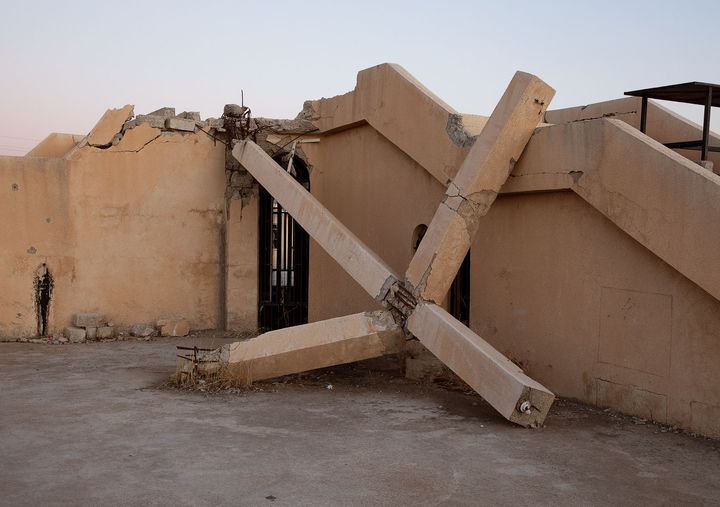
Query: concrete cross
[[410, 302]]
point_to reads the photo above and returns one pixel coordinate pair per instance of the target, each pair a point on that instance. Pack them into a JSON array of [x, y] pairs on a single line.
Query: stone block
[[75, 334], [173, 327], [190, 115], [104, 332], [91, 333], [88, 319], [180, 124], [142, 330], [156, 122], [163, 112], [110, 124]]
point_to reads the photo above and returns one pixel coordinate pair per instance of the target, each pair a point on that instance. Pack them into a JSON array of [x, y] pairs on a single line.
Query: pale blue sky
[[64, 63]]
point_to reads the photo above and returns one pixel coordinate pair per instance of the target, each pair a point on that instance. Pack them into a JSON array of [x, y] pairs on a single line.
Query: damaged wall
[[131, 230]]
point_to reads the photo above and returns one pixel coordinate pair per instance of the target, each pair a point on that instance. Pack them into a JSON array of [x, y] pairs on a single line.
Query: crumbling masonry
[[594, 269]]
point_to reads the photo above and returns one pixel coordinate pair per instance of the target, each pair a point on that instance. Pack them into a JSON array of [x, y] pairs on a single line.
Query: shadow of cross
[[411, 303]]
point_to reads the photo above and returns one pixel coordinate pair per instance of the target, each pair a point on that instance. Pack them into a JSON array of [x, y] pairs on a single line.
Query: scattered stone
[[180, 124], [91, 333], [173, 327], [62, 339], [190, 115], [88, 319], [75, 334], [104, 332], [142, 330]]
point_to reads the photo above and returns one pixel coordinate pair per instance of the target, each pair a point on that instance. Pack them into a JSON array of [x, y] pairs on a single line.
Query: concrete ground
[[91, 425]]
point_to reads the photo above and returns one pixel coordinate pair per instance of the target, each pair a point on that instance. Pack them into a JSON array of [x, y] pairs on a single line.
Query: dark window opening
[[460, 293], [284, 250], [418, 235], [43, 294]]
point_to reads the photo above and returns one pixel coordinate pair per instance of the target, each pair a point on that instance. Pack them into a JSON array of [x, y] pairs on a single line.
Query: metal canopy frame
[[695, 92]]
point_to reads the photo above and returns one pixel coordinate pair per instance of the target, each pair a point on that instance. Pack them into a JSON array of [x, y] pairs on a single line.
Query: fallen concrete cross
[[410, 303]]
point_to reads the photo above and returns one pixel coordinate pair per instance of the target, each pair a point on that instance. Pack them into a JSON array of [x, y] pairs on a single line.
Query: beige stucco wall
[[558, 287], [594, 315], [585, 271], [378, 192], [134, 234]]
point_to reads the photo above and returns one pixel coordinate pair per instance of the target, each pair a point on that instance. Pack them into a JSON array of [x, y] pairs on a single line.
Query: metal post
[[643, 115], [706, 125]]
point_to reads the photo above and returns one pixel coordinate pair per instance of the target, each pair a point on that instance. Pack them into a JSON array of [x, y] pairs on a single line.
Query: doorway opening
[[284, 251], [460, 293], [43, 285]]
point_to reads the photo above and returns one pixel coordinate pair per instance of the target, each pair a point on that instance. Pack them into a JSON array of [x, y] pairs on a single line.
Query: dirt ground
[[92, 424]]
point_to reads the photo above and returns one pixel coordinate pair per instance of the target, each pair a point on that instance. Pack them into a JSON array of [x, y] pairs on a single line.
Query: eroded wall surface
[[132, 231]]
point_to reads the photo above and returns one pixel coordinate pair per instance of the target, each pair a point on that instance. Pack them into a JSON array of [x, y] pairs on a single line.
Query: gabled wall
[[593, 270]]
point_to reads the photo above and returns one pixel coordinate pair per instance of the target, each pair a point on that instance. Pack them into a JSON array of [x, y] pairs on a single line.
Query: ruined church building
[[595, 270]]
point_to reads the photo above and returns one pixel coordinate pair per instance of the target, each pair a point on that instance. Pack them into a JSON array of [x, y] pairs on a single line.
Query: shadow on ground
[[97, 424]]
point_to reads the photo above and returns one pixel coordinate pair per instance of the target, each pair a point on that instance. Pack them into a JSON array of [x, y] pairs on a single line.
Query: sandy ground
[[92, 424]]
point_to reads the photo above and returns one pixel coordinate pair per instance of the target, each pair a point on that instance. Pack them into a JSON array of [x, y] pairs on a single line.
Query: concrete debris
[[190, 115], [110, 124], [88, 319], [182, 124], [142, 330], [91, 333], [173, 327], [410, 302], [157, 122], [163, 112], [215, 123], [234, 110], [296, 126], [75, 334]]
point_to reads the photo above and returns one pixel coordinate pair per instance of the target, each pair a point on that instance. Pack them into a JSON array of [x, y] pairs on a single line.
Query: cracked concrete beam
[[476, 185], [498, 380], [136, 139], [361, 263], [111, 123], [312, 346]]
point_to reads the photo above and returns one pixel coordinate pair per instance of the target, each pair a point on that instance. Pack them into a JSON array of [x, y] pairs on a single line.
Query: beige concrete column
[[366, 268], [493, 376], [312, 346], [476, 185]]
